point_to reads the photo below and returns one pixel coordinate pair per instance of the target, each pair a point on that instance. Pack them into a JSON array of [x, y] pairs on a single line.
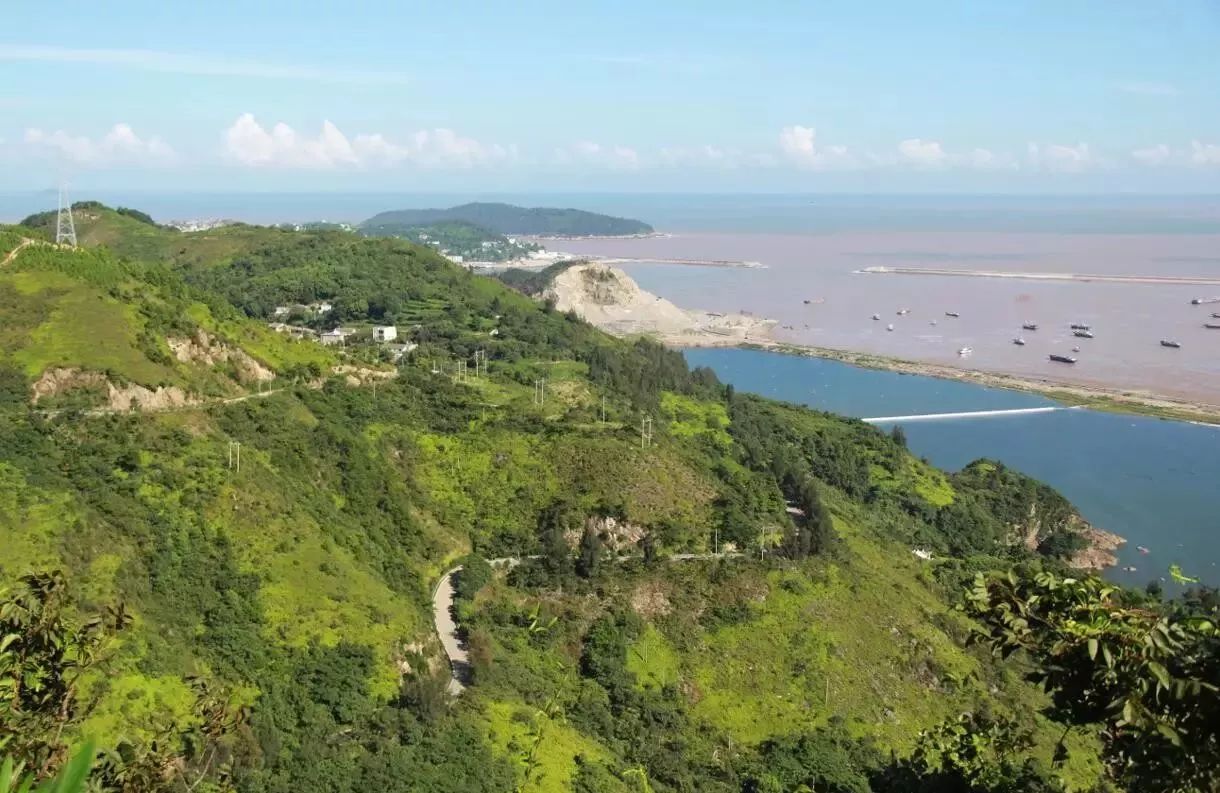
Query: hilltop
[[509, 219], [277, 554]]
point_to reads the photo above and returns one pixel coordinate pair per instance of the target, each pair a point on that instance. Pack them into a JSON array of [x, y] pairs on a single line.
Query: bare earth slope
[[608, 298]]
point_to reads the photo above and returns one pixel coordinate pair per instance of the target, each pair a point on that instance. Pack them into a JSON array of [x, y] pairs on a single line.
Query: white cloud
[[587, 152], [120, 146], [1160, 154], [987, 160], [922, 153], [799, 144], [1148, 88], [1204, 153], [194, 63], [1059, 158], [699, 156], [249, 143]]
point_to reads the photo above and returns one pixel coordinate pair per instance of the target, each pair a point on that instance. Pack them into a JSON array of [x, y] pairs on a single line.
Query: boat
[[933, 322], [876, 316], [952, 314], [807, 301], [1212, 325], [1030, 326], [965, 351], [1170, 343], [1142, 549], [1020, 342], [1198, 301], [1080, 326], [1130, 568], [903, 311], [1062, 358], [1084, 334], [1075, 349], [1216, 315], [889, 327]]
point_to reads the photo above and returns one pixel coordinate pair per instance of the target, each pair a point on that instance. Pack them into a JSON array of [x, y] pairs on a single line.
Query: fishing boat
[[1030, 326], [933, 322], [1142, 549], [1212, 325], [1198, 301], [952, 314], [807, 301], [1084, 334], [964, 351], [1075, 349], [1216, 315], [1020, 342], [889, 327], [1079, 326], [876, 316], [903, 311], [1062, 358], [1170, 343]]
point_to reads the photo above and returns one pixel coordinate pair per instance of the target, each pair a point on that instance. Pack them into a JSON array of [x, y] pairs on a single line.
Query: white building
[[384, 333], [335, 336]]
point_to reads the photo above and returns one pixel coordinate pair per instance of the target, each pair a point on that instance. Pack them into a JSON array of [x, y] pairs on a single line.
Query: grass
[[653, 660], [543, 749], [694, 418]]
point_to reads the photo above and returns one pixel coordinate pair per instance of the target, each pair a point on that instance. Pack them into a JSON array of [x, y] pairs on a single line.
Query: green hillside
[[508, 219], [274, 541]]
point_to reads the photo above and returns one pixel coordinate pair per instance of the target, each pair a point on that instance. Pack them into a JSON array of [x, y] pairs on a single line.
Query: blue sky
[[681, 96]]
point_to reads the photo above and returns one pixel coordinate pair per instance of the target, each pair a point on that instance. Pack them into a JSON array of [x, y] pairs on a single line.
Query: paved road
[[447, 628]]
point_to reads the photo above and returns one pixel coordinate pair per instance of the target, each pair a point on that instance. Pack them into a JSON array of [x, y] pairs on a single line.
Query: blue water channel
[[1154, 482]]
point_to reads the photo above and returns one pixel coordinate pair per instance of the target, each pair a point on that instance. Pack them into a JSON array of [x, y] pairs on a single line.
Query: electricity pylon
[[65, 227]]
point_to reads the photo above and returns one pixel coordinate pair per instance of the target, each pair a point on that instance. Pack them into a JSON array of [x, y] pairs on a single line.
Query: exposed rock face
[[202, 348], [608, 298], [120, 398], [62, 380], [1101, 551], [363, 375]]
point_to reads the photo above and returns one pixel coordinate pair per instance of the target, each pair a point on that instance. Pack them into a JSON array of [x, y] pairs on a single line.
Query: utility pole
[[235, 456], [65, 226], [540, 391], [603, 408], [646, 432]]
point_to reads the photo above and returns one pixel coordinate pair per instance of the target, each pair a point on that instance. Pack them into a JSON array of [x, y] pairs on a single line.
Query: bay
[[1154, 482]]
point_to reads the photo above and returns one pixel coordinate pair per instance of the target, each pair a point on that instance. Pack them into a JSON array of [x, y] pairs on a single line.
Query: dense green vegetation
[[507, 219], [458, 238], [267, 626]]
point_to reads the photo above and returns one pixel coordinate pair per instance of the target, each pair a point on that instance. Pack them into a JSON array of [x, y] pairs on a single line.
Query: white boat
[[889, 327], [965, 351], [902, 311], [876, 316], [1020, 342]]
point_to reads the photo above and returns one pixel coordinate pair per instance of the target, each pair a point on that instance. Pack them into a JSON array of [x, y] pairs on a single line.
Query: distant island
[[508, 219], [459, 240]]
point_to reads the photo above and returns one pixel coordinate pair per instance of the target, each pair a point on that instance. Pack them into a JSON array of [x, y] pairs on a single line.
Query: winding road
[[447, 628]]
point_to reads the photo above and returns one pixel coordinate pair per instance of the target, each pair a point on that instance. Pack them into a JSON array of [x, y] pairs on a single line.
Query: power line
[[65, 226]]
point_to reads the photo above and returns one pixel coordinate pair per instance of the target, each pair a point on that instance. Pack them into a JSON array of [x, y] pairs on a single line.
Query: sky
[[1112, 96]]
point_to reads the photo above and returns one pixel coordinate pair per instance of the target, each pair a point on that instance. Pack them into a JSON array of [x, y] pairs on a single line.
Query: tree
[[1151, 680], [43, 658], [815, 534], [552, 526], [590, 552], [898, 435]]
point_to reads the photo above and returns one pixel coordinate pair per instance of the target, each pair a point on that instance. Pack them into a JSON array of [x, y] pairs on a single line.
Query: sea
[[1154, 482]]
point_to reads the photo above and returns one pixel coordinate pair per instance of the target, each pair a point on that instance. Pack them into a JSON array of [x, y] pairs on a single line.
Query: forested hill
[[220, 543], [509, 219]]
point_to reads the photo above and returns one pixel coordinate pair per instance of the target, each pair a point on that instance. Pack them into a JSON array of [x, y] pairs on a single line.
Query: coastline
[[1112, 400]]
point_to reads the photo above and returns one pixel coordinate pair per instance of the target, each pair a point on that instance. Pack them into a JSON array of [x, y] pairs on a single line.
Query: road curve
[[447, 628]]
